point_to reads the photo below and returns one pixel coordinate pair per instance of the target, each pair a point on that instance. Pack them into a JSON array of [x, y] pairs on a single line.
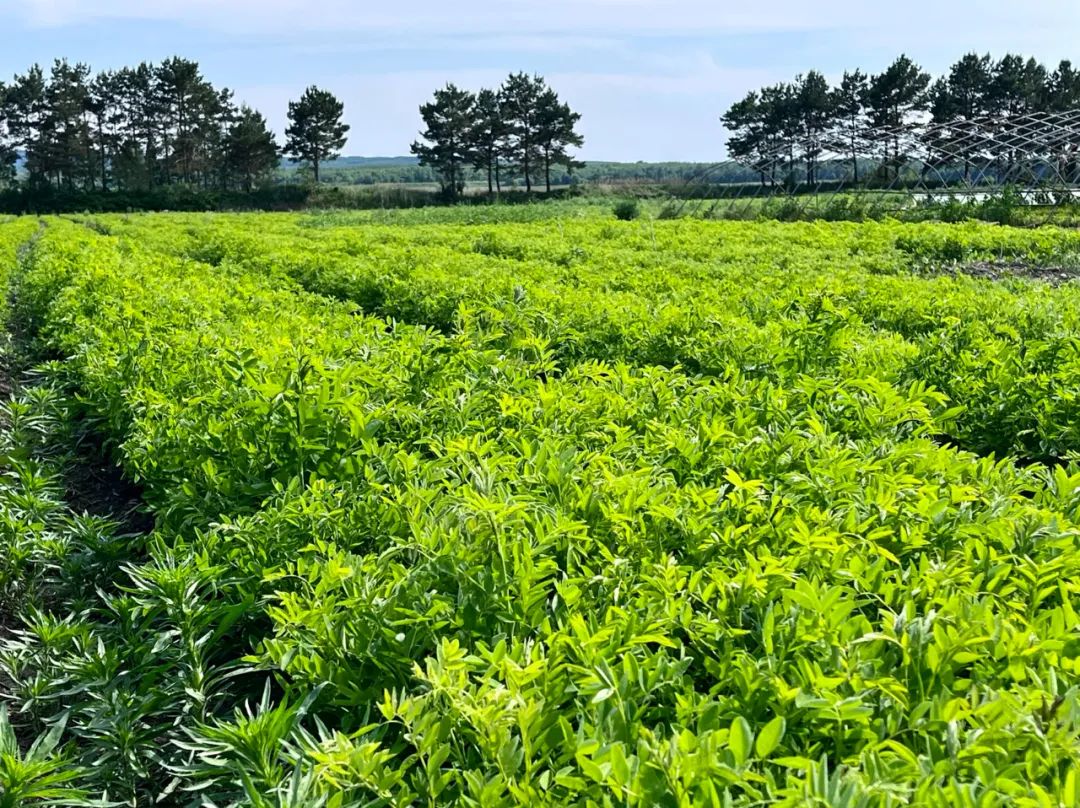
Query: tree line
[[600, 173], [522, 129], [157, 125], [154, 125], [782, 131]]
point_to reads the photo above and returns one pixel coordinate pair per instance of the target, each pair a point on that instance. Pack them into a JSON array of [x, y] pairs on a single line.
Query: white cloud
[[651, 77], [429, 16], [526, 17], [669, 112]]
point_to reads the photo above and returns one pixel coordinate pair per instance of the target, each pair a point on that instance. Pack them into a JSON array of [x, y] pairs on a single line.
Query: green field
[[530, 506]]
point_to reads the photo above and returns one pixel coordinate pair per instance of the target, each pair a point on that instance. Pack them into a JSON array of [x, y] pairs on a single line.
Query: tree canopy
[[316, 131], [780, 131], [446, 145], [522, 129], [135, 128]]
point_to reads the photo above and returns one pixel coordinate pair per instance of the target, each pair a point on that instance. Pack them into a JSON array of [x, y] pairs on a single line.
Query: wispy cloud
[[651, 77], [427, 16], [525, 18]]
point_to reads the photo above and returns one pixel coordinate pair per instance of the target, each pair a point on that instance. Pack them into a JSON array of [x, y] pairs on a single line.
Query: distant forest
[[398, 170]]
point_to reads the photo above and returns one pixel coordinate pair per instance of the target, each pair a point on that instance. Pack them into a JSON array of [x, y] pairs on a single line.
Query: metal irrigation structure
[[1033, 158]]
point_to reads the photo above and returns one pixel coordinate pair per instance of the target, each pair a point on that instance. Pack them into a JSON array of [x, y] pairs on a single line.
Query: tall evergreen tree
[[1018, 87], [488, 137], [759, 127], [26, 111], [970, 85], [849, 105], [190, 107], [815, 108], [893, 97], [780, 108], [959, 103], [315, 132], [521, 95], [212, 156], [250, 149], [66, 139], [447, 137], [8, 155], [1015, 86], [102, 108], [556, 134], [748, 135], [140, 127], [1063, 87]]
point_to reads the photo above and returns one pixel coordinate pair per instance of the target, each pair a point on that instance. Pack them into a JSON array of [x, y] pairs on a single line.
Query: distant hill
[[357, 170], [360, 162]]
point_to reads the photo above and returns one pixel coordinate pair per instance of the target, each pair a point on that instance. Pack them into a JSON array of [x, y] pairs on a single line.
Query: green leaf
[[769, 737], [740, 740], [620, 769]]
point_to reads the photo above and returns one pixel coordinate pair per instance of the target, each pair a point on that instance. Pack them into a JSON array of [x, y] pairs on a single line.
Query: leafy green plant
[[42, 775], [520, 514]]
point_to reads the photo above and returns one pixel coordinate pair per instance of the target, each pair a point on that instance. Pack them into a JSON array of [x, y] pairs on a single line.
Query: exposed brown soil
[[97, 487], [1004, 270]]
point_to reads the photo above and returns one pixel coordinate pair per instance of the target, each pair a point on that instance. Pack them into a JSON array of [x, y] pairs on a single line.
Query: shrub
[[627, 210]]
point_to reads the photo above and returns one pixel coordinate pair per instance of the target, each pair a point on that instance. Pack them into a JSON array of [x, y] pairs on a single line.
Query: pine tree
[[65, 141], [1064, 87], [555, 133], [892, 98], [815, 109], [250, 148], [8, 155], [755, 133], [849, 104], [449, 121], [139, 127], [190, 106], [959, 104], [26, 112], [315, 132], [521, 95], [102, 108], [488, 137]]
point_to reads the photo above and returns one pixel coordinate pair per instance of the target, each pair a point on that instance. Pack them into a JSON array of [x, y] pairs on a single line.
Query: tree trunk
[[854, 161], [104, 160], [91, 179], [165, 158], [498, 179], [547, 170], [490, 164], [149, 163]]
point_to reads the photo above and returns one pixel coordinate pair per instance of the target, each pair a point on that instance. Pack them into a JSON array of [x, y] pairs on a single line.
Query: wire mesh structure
[[897, 171]]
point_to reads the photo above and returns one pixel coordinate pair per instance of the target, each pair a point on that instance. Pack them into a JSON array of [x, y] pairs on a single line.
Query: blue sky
[[649, 77]]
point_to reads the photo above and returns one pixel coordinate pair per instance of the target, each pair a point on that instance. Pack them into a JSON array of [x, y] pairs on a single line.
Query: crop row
[[501, 580], [730, 300]]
